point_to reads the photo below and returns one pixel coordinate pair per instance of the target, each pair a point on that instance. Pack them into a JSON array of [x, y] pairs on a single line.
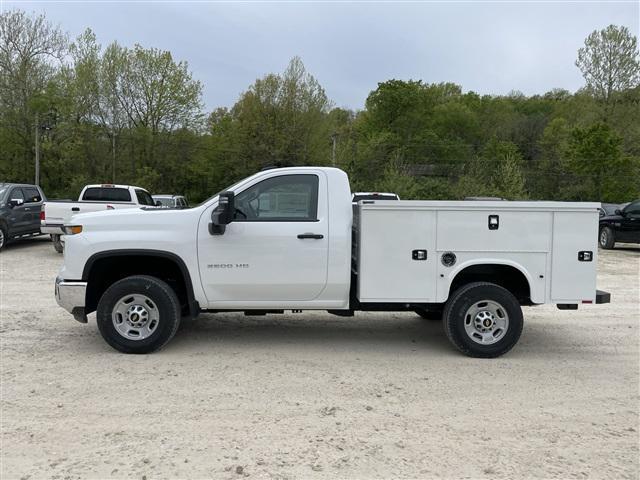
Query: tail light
[[42, 215]]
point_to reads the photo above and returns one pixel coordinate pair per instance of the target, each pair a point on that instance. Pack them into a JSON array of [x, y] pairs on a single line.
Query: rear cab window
[[106, 194]]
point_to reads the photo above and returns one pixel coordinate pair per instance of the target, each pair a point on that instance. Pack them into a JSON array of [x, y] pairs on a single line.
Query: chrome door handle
[[315, 236]]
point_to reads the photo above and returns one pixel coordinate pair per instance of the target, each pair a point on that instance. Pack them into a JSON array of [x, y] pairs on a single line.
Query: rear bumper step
[[603, 297]]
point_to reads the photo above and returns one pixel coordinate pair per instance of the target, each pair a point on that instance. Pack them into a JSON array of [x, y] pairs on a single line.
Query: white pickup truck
[[289, 239], [93, 198]]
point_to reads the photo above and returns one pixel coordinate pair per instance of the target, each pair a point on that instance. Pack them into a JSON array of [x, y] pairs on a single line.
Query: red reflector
[[587, 301], [41, 214], [110, 207]]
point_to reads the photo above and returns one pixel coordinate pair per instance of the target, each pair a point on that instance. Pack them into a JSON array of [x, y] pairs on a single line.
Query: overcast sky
[[487, 47]]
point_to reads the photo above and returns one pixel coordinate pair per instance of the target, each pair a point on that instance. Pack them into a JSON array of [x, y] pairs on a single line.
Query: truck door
[[630, 223], [33, 205], [276, 249], [18, 220]]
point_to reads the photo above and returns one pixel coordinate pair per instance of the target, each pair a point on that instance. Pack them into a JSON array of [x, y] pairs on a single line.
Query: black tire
[[4, 237], [432, 315], [607, 238], [57, 244], [460, 303], [155, 289]]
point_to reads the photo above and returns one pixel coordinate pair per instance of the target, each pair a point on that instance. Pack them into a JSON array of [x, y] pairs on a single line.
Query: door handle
[[75, 209], [26, 209], [315, 236]]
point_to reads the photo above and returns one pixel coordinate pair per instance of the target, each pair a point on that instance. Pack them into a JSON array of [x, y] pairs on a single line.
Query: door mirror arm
[[222, 215]]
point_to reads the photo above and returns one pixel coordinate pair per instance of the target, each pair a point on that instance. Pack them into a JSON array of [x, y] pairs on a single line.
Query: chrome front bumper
[[70, 295]]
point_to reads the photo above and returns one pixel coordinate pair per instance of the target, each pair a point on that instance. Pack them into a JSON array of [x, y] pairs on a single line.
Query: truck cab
[[289, 239]]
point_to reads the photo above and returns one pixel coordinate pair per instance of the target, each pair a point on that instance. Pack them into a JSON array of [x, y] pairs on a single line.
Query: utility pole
[[37, 149], [334, 138], [113, 157]]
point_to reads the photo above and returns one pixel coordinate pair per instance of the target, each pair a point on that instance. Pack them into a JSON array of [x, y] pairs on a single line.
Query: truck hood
[[130, 218]]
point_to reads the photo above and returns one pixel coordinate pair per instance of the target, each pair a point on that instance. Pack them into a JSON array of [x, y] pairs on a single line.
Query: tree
[[606, 174], [283, 120], [31, 49], [609, 61]]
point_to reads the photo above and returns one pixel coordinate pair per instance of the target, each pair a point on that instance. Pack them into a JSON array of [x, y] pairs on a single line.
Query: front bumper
[[71, 295]]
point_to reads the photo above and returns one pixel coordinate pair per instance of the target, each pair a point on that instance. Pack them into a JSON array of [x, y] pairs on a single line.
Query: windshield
[[223, 190], [3, 190]]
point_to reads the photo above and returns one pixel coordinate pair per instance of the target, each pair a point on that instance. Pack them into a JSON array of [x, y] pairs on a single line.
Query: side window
[[287, 198], [32, 195], [16, 194], [144, 198], [633, 209]]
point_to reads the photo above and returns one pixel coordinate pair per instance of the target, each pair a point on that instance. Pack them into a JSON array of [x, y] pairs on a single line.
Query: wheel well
[[102, 272], [506, 276]]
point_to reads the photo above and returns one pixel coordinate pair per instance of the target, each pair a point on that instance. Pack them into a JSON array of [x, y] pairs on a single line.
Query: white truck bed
[[541, 239]]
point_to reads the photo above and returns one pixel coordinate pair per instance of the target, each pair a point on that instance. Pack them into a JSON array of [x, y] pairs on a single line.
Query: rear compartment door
[[574, 279]]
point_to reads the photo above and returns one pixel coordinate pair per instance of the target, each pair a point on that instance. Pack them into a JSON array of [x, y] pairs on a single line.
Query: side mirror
[[158, 203], [16, 202], [223, 213], [619, 212]]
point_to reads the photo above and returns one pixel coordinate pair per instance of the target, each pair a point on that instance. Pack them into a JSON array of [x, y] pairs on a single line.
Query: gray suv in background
[[20, 206]]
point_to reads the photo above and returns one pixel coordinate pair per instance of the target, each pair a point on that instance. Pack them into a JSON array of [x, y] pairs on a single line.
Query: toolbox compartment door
[[392, 245]]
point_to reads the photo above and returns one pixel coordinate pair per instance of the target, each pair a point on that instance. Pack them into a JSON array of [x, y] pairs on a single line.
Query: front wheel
[[607, 238], [57, 244], [483, 320], [138, 314]]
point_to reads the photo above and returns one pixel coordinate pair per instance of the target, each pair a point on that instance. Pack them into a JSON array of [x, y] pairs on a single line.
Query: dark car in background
[[621, 226], [20, 206]]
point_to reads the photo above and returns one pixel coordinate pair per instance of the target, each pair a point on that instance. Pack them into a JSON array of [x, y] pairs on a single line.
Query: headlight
[[72, 229]]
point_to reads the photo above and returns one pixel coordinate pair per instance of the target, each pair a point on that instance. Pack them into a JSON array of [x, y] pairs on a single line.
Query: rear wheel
[[607, 238], [57, 244], [483, 320], [138, 314]]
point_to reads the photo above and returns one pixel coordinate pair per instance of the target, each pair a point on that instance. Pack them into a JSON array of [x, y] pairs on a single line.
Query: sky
[[488, 47]]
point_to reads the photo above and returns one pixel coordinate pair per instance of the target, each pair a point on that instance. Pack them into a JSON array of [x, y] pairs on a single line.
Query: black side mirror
[[223, 213], [619, 212], [158, 203], [16, 202]]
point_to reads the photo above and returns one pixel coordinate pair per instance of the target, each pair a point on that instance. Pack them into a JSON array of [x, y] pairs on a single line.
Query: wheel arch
[[101, 270], [506, 273]]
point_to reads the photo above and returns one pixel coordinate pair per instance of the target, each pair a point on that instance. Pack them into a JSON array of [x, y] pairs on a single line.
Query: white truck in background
[[288, 239], [93, 198]]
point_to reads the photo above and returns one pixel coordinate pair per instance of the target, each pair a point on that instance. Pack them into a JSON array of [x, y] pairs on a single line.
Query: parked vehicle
[[20, 206], [356, 197], [610, 208], [621, 226], [92, 198], [287, 239], [170, 201]]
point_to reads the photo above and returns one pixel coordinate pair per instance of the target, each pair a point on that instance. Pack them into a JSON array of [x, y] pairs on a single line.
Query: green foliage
[[134, 115], [595, 152]]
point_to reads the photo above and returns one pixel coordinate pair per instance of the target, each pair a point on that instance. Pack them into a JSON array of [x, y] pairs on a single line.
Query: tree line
[[135, 115]]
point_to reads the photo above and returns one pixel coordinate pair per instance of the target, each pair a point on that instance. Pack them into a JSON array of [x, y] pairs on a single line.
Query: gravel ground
[[315, 396]]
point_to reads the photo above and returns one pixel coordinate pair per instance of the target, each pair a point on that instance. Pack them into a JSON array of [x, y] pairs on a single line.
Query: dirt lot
[[316, 396]]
